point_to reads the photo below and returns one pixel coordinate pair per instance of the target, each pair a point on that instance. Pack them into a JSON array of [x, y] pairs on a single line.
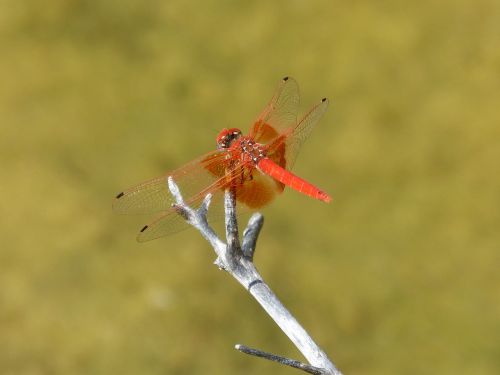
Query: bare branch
[[233, 241], [283, 360], [174, 189], [238, 262]]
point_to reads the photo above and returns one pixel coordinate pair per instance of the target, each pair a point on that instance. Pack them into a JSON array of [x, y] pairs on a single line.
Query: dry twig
[[237, 260]]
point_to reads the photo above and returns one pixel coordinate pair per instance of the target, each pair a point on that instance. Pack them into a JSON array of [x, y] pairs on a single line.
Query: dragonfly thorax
[[249, 149]]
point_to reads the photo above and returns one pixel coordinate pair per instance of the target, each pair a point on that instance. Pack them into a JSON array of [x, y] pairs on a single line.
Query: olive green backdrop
[[398, 275]]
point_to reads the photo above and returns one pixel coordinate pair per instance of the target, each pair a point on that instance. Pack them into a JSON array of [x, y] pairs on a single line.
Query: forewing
[[154, 195], [280, 113]]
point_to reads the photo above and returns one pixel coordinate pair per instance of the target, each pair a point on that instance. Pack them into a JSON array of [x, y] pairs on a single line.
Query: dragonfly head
[[226, 137]]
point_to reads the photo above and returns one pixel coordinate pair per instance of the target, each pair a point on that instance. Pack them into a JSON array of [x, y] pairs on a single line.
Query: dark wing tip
[[143, 229], [324, 100], [120, 195], [285, 78]]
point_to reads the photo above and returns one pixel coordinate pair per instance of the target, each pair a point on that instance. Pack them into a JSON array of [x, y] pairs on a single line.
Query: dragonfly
[[256, 167]]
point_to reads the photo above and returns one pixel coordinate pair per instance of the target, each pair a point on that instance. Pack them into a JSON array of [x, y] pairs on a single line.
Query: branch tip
[[283, 360], [251, 234], [203, 210], [174, 189]]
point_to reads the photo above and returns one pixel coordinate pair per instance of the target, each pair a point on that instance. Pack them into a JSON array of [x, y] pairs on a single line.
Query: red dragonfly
[[256, 166]]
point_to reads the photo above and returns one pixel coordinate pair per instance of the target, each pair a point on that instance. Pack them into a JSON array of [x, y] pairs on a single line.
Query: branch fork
[[237, 260]]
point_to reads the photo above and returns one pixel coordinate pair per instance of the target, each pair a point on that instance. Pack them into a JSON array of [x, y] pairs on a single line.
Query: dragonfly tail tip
[[325, 197]]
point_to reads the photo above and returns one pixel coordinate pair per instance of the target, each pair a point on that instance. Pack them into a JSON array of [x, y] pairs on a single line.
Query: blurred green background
[[398, 275]]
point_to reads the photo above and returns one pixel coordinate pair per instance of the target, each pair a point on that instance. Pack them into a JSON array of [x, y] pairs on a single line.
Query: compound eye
[[227, 137]]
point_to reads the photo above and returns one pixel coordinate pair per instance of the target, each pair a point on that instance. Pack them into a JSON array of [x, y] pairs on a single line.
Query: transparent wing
[[290, 141], [154, 195], [171, 222], [279, 114]]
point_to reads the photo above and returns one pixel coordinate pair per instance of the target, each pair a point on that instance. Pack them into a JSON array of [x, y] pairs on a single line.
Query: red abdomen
[[272, 169]]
